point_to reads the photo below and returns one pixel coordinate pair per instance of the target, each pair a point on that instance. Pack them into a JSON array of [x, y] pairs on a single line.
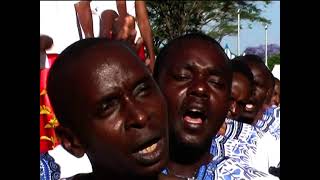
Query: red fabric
[[48, 122], [141, 53]]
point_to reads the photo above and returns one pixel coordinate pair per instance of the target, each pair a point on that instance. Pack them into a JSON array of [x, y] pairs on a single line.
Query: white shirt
[[69, 164]]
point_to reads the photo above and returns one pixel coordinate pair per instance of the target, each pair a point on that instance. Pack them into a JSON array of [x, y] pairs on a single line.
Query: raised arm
[[145, 29], [85, 17]]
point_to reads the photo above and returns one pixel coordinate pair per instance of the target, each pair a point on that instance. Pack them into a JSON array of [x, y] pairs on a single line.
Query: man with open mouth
[[195, 77], [110, 108], [260, 112], [262, 115]]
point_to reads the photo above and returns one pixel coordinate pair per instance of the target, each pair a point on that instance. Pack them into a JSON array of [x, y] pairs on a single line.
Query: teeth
[[148, 149], [249, 106], [194, 110]]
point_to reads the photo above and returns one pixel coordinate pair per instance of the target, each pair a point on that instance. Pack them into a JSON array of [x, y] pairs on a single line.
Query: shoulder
[[231, 169], [49, 169]]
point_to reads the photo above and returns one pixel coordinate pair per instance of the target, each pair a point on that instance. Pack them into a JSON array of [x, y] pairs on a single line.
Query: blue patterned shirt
[[49, 169]]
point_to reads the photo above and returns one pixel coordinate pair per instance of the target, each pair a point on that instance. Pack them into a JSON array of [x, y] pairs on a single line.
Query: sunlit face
[[240, 94], [262, 85], [196, 83], [120, 112]]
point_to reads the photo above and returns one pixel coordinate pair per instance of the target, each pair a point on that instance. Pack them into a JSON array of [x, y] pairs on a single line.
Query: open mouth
[[149, 152], [148, 147], [249, 107], [194, 116]]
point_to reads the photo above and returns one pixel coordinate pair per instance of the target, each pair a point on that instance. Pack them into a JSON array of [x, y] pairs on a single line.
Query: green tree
[[273, 60], [170, 19]]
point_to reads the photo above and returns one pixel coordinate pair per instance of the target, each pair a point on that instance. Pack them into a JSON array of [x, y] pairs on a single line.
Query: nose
[[137, 117], [199, 89]]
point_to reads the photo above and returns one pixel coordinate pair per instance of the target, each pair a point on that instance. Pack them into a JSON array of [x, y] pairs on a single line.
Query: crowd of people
[[188, 113]]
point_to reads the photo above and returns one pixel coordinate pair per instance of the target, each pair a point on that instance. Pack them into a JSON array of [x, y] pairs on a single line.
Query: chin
[[152, 170]]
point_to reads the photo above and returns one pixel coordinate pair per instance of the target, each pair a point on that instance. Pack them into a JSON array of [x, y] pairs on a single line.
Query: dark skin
[[144, 26], [240, 95], [116, 111], [194, 79], [110, 19], [275, 100], [263, 90], [85, 17], [46, 43]]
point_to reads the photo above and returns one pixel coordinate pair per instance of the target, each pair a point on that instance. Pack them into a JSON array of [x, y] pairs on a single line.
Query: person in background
[[195, 77]]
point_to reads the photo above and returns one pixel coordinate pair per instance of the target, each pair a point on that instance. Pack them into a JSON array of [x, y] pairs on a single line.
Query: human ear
[[70, 141]]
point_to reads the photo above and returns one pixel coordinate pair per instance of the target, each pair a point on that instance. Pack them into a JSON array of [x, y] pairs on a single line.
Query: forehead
[[101, 68], [200, 52], [111, 60], [240, 78], [258, 70]]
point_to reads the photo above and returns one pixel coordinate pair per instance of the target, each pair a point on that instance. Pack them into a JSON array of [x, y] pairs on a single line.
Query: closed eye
[[142, 89], [182, 77], [107, 106], [216, 82]]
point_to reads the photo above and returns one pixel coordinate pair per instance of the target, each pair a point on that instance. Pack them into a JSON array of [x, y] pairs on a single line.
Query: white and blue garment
[[270, 122], [49, 169], [239, 141], [227, 169], [246, 145], [230, 156]]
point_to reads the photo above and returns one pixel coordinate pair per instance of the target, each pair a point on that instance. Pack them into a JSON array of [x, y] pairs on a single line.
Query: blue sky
[[256, 35]]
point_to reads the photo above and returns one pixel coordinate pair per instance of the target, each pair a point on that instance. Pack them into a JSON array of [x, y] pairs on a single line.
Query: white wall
[[58, 20]]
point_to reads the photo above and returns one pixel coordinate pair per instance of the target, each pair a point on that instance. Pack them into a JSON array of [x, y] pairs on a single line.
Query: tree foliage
[[273, 49], [273, 60], [170, 19]]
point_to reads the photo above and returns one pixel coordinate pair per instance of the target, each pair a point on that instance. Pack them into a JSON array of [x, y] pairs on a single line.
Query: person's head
[[242, 88], [45, 42], [263, 86], [195, 77], [109, 107], [275, 100]]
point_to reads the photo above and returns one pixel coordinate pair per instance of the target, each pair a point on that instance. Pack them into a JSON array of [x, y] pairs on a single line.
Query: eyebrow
[[215, 71], [145, 78]]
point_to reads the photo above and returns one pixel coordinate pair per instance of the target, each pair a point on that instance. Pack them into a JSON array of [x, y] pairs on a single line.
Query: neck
[[185, 161], [103, 174]]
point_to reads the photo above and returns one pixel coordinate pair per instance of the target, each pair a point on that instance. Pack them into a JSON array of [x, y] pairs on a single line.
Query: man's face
[[241, 91], [196, 83], [120, 112], [262, 84]]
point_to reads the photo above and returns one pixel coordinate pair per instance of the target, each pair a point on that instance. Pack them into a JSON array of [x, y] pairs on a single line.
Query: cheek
[[174, 96], [109, 132], [220, 105]]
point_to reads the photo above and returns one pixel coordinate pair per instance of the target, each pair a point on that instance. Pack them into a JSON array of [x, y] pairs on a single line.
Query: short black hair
[[257, 60], [241, 67], [60, 71], [166, 49]]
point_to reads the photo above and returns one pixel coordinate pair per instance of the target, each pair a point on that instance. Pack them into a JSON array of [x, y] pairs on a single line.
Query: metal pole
[[266, 51], [238, 42]]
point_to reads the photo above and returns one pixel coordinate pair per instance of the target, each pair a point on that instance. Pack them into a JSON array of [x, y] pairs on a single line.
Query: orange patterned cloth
[[48, 121]]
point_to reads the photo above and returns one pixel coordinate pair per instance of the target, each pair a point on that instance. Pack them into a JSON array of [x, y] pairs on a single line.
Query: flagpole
[[238, 42], [266, 44]]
